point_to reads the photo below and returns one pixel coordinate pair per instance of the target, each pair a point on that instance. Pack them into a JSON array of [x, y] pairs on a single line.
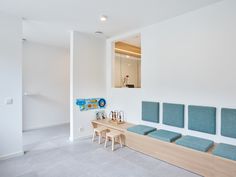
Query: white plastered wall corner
[[11, 86]]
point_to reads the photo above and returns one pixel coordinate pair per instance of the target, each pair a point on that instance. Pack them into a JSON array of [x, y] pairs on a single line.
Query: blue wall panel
[[202, 118], [150, 111]]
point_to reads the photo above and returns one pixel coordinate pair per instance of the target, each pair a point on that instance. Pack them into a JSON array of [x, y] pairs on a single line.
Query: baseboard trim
[[47, 126], [12, 155], [72, 139]]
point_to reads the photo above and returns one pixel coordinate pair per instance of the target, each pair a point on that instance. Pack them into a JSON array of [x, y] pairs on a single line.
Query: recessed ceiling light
[[103, 18], [98, 32]]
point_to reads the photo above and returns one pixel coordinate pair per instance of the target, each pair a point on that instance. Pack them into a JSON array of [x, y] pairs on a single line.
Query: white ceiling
[[48, 21]]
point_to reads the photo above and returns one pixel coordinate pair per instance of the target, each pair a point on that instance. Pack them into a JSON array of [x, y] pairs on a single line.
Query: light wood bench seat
[[203, 163]]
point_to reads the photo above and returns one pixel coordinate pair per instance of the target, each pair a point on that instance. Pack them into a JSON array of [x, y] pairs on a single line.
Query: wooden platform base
[[202, 163]]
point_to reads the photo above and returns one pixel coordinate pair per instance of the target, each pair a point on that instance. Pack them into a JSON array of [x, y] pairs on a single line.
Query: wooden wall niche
[[127, 49]]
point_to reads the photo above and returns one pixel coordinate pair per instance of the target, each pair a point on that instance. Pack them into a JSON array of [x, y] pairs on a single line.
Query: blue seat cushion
[[225, 150], [165, 135], [196, 143], [141, 129]]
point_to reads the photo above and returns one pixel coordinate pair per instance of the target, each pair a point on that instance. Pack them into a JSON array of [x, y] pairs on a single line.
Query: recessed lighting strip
[[127, 51], [125, 56]]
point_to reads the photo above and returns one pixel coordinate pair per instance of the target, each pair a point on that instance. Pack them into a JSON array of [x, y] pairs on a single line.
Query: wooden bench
[[202, 163]]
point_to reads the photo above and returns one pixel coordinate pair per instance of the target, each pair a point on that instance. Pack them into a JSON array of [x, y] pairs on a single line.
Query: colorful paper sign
[[91, 103]]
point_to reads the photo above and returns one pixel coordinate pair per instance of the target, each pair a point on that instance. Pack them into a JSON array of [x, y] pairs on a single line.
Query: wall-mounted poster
[[91, 103]]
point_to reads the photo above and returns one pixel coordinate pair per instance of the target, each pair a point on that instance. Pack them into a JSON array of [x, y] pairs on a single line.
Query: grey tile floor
[[55, 156], [44, 134]]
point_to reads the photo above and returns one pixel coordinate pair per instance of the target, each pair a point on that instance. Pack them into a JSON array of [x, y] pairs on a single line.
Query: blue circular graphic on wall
[[102, 103]]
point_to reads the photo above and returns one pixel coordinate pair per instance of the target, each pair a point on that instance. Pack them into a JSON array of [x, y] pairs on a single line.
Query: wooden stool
[[99, 131], [113, 135]]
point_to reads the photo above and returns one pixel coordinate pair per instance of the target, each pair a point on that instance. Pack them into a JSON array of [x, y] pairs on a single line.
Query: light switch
[[8, 101]]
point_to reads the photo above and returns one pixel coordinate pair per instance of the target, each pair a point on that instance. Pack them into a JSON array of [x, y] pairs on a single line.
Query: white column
[[74, 86], [87, 79]]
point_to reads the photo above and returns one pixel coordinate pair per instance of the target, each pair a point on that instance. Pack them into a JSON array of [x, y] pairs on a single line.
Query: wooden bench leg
[[99, 138], [105, 145], [120, 141], [93, 135], [113, 143]]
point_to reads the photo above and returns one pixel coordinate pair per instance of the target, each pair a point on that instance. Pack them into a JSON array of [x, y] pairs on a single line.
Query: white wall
[[10, 86], [46, 76], [88, 79], [188, 59]]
